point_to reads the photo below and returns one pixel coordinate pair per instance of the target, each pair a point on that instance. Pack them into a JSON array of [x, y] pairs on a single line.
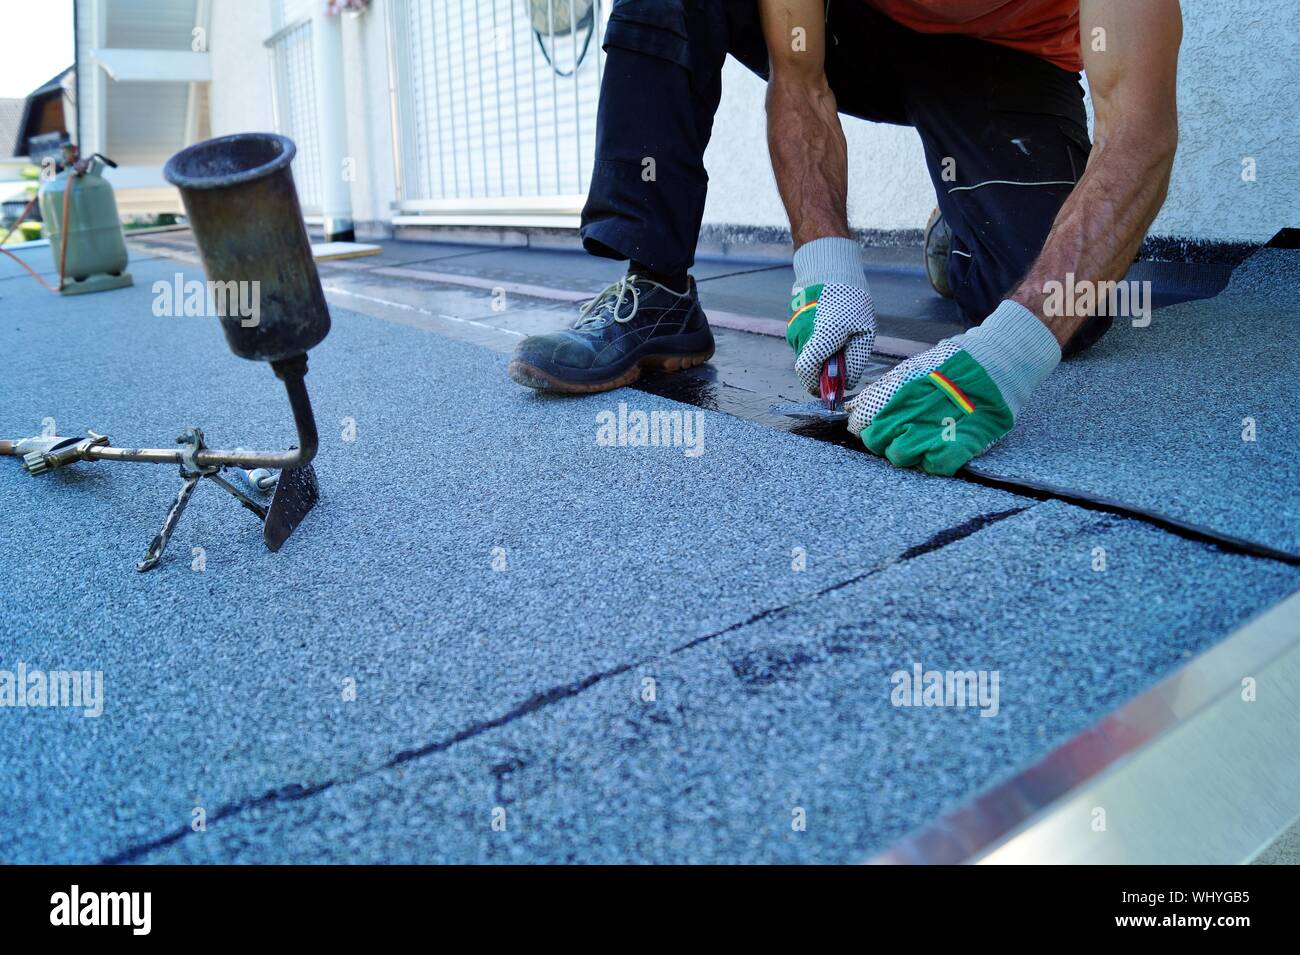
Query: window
[[496, 103]]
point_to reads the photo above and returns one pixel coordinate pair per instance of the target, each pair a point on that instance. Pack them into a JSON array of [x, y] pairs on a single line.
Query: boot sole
[[530, 376], [939, 284]]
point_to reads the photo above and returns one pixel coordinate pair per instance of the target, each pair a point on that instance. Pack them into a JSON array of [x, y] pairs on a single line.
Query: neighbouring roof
[[55, 82], [51, 87], [12, 110]]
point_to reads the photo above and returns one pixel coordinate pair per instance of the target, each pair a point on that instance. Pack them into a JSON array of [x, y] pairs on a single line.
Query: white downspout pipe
[[327, 58], [99, 81]]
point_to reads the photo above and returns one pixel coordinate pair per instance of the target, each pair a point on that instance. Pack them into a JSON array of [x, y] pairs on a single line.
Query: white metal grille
[[292, 66], [488, 110]]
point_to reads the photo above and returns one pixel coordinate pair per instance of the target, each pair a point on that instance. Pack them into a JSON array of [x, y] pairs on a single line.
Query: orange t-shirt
[[1046, 28]]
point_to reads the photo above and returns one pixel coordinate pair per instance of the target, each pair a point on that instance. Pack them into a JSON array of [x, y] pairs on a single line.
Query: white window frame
[[279, 91], [554, 211]]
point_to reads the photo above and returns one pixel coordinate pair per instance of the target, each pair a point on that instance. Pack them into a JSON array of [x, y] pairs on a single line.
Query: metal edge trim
[[994, 817]]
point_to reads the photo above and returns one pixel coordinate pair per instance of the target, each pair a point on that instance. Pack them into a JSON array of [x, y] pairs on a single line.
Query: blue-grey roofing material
[[786, 718], [1193, 416], [521, 687]]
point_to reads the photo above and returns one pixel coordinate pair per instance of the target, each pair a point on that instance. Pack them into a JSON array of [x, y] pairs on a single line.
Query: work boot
[[938, 247], [635, 323]]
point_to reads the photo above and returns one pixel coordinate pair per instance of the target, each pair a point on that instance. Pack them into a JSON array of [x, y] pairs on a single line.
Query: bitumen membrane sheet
[[561, 648], [778, 740], [1193, 416]]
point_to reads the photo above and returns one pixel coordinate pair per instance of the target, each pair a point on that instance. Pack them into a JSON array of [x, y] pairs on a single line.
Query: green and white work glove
[[830, 311], [939, 409]]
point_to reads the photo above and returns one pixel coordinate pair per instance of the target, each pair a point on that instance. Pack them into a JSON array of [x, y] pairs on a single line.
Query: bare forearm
[[809, 158], [1101, 226]]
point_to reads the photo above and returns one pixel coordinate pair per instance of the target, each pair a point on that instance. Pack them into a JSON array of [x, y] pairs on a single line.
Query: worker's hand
[[825, 319], [939, 409]]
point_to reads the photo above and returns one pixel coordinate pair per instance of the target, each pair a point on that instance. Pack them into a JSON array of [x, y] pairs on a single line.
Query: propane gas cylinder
[[96, 256]]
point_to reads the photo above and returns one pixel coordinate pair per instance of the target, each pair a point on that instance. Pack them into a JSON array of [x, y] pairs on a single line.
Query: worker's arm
[[939, 409], [830, 310], [1132, 69], [804, 135]]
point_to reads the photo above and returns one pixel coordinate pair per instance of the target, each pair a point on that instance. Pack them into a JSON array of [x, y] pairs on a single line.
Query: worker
[[1025, 202]]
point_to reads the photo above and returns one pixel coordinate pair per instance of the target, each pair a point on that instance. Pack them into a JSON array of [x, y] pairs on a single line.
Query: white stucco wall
[[1238, 97], [888, 184], [240, 95]]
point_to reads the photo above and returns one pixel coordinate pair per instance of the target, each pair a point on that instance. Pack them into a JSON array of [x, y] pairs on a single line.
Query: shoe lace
[[609, 304]]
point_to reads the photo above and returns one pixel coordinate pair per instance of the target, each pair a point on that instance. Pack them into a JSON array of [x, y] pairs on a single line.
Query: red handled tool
[[832, 382]]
